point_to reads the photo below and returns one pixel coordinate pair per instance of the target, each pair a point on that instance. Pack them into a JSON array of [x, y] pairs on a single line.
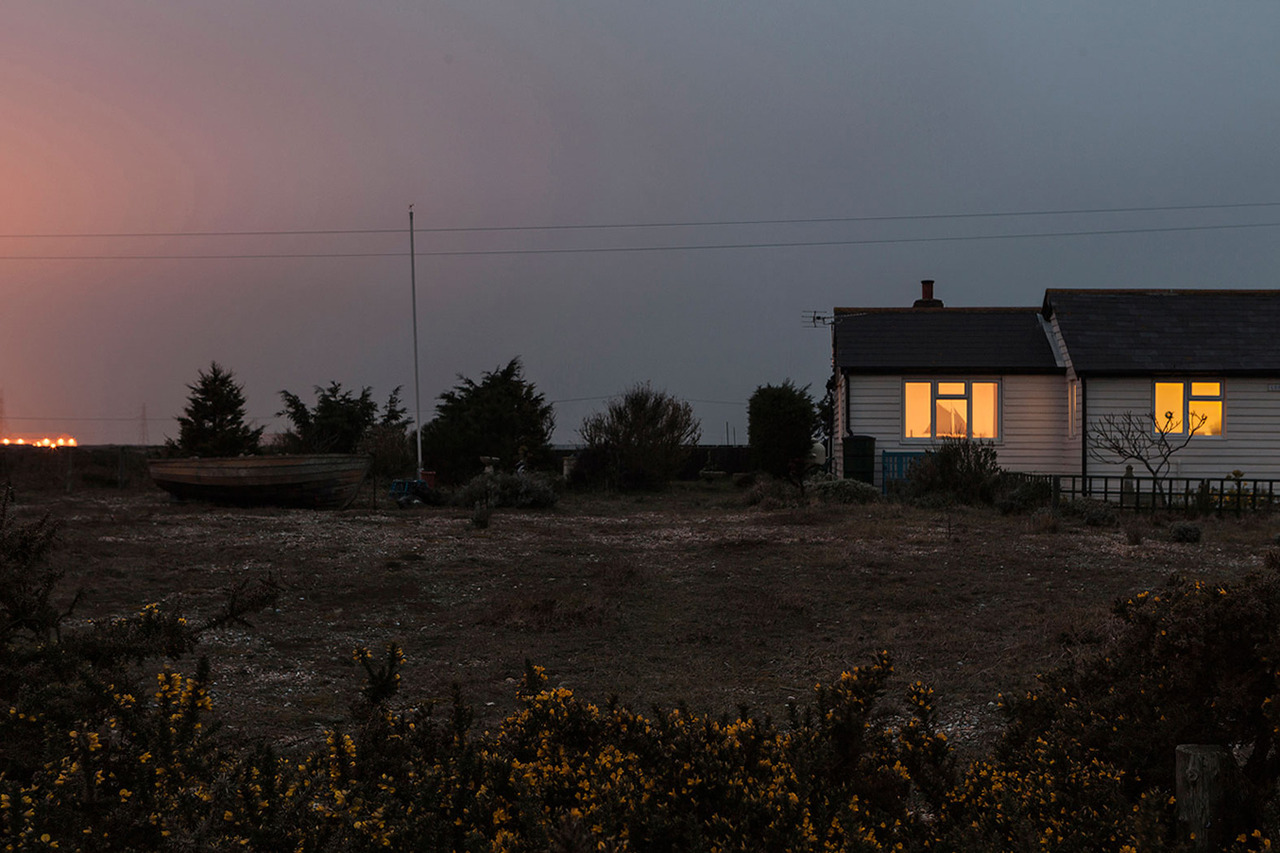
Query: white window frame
[[933, 408]]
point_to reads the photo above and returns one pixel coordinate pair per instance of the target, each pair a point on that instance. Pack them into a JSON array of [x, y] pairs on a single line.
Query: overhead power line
[[479, 229], [111, 419], [276, 233], [619, 395], [584, 250]]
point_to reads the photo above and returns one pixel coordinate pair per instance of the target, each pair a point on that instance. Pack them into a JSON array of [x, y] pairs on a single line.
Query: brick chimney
[[926, 299]]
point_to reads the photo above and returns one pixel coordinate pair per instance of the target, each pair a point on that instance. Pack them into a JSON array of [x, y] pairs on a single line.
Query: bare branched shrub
[[642, 437], [1149, 440]]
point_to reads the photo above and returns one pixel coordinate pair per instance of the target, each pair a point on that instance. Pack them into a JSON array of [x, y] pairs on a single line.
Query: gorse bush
[[1194, 662], [90, 756], [101, 750]]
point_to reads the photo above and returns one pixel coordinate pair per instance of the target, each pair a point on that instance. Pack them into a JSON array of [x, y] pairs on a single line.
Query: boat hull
[[320, 481]]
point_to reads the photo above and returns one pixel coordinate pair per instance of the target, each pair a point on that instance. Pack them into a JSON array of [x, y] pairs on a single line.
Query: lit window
[[951, 410], [1183, 405], [918, 421]]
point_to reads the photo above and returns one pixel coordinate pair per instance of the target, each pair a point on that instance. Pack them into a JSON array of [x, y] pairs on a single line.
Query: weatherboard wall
[[1034, 434], [1251, 427]]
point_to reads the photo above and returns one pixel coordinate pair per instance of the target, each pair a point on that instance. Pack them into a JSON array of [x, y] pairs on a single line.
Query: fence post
[[1205, 774], [1056, 500]]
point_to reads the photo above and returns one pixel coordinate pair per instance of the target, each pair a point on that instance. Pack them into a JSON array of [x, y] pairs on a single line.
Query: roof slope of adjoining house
[[942, 340], [1139, 332]]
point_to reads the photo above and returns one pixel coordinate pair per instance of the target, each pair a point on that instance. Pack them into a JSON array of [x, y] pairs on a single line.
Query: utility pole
[[417, 393]]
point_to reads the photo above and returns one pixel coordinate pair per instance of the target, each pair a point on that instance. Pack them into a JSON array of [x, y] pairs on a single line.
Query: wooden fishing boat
[[319, 481]]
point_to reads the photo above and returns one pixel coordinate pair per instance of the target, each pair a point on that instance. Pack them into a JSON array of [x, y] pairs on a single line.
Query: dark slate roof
[[942, 340], [1132, 332]]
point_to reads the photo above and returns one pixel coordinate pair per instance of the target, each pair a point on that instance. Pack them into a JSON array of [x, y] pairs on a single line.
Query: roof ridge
[[1142, 291], [1012, 309]]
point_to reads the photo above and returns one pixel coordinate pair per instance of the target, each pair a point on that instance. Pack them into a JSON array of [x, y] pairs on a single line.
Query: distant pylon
[[143, 438]]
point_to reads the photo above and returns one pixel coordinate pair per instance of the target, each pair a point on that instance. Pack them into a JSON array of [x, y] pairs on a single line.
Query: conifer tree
[[782, 422], [213, 422], [502, 416]]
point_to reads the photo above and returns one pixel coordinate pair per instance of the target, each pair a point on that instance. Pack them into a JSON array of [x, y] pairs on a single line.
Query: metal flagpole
[[417, 394]]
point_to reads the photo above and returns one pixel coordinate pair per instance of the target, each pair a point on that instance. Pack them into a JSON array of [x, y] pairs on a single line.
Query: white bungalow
[[1036, 382]]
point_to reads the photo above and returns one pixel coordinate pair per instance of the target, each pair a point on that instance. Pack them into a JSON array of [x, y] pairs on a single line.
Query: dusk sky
[[906, 120]]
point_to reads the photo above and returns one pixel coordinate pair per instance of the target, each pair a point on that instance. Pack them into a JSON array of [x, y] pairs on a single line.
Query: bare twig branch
[[1144, 439]]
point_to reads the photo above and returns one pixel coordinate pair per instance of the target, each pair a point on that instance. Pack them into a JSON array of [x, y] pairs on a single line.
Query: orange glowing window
[[949, 409], [917, 420], [1169, 407], [1197, 406], [985, 414]]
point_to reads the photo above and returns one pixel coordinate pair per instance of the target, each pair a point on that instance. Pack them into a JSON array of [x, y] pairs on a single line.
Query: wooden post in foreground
[[1205, 778]]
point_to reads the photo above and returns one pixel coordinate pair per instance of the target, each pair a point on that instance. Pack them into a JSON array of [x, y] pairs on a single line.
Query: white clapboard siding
[[1251, 428], [1033, 421]]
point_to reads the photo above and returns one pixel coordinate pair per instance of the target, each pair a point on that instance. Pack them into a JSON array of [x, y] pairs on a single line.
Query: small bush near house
[[1019, 494], [845, 491], [1092, 513], [958, 470], [767, 493], [1044, 521], [1184, 532], [521, 491]]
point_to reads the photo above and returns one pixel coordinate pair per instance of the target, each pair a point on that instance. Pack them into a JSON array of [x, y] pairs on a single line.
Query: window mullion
[[933, 410], [968, 409]]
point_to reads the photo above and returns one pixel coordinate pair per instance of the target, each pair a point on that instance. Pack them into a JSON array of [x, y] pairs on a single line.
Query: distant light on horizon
[[60, 441]]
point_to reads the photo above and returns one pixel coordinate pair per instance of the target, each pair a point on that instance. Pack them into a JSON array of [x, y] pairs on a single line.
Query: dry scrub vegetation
[[684, 596]]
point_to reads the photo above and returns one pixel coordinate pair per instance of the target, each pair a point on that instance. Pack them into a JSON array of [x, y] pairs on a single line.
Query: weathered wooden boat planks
[[318, 481]]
